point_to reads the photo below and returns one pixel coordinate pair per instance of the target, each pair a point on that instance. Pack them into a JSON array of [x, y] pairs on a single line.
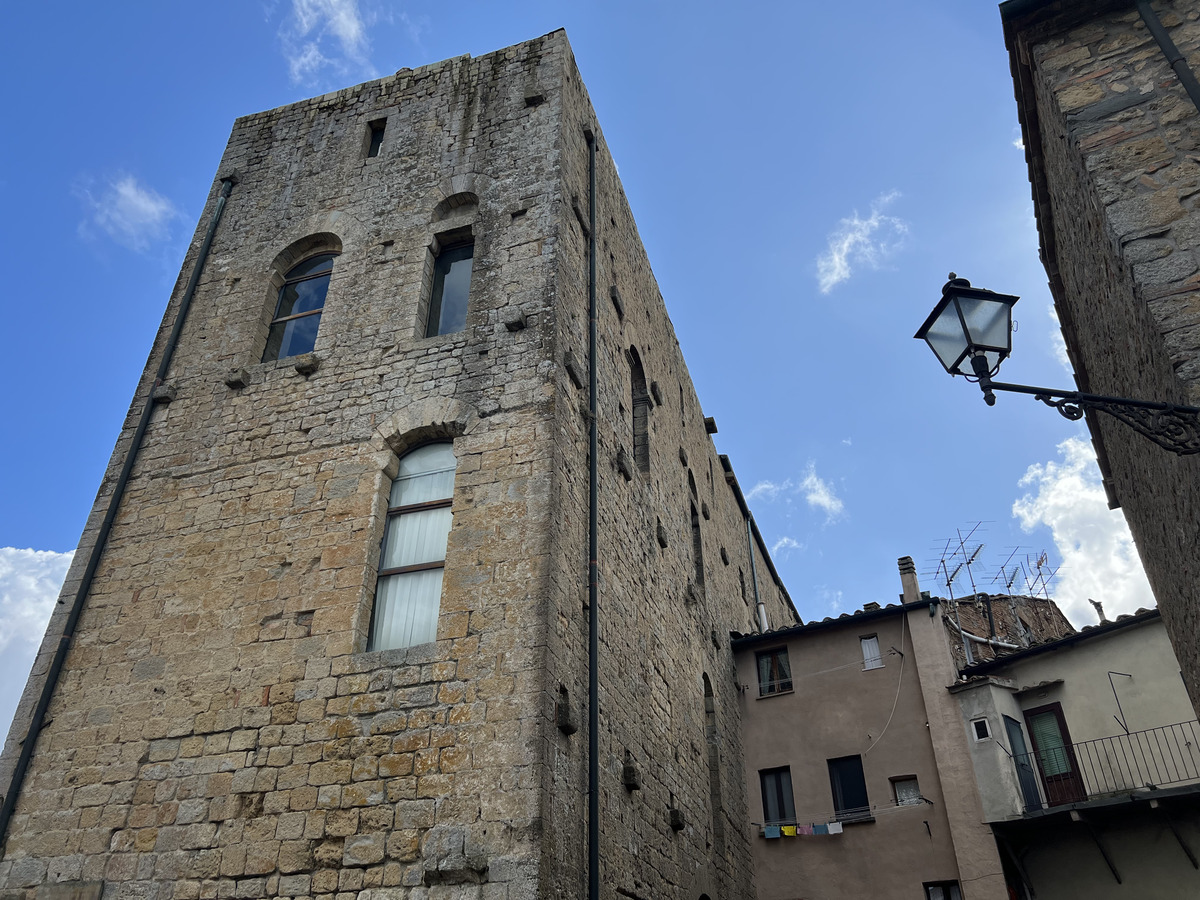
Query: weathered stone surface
[[220, 728], [1115, 184]]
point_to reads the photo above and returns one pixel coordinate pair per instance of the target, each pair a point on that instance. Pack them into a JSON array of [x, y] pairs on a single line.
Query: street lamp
[[970, 332]]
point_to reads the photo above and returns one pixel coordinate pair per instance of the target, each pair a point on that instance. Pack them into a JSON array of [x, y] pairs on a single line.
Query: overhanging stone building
[[1111, 137], [336, 638]]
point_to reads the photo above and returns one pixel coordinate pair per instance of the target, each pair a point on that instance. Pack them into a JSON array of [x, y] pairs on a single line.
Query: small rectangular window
[[942, 890], [774, 672], [906, 790], [777, 796], [375, 137], [870, 652], [980, 729], [849, 788], [451, 285]]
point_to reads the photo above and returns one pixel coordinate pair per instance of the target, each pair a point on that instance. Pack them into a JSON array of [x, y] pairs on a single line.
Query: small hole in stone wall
[[519, 213]]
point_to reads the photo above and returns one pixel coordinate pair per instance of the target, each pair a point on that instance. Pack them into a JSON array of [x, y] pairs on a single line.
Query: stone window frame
[[294, 254], [393, 514], [444, 241]]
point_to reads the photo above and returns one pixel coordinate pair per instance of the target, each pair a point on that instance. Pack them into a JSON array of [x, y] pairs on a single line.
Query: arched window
[[697, 548], [409, 591], [298, 311]]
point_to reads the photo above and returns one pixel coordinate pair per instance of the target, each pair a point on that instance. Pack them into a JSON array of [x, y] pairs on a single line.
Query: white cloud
[[131, 214], [29, 585], [857, 241], [1099, 560], [785, 545], [820, 495], [1059, 344], [322, 34], [769, 490]]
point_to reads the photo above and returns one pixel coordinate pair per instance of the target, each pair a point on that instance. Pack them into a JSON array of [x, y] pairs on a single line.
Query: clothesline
[[866, 811]]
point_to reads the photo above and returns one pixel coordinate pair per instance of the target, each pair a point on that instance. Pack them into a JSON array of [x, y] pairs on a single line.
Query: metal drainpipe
[[68, 634], [758, 603], [593, 548], [1175, 59]]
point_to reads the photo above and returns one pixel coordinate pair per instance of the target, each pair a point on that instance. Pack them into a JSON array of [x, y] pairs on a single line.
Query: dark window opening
[[298, 310], [942, 890], [849, 788], [777, 796], [774, 671], [697, 549], [641, 411], [375, 139], [451, 286]]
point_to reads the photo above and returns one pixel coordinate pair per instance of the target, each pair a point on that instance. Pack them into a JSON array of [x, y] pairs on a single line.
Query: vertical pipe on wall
[[593, 547], [114, 504], [1175, 59], [759, 606]]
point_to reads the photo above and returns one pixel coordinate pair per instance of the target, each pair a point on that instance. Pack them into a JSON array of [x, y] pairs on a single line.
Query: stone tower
[[335, 638], [1111, 131]]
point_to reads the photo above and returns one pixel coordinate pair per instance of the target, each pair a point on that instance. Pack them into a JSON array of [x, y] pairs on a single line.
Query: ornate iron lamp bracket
[[1174, 428]]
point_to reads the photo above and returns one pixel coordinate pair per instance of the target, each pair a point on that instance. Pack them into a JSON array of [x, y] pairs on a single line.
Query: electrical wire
[[899, 682]]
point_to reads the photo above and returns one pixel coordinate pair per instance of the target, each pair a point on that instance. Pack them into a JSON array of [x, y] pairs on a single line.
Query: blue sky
[[803, 181]]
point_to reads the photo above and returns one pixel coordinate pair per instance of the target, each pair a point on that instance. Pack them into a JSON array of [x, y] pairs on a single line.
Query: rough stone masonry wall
[[218, 730], [663, 633], [1115, 144]]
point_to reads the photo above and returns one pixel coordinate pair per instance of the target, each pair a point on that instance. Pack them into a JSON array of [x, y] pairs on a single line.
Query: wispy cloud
[[1099, 560], [784, 545], [860, 242], [325, 34], [817, 492], [133, 215], [1059, 344], [29, 584], [769, 490]]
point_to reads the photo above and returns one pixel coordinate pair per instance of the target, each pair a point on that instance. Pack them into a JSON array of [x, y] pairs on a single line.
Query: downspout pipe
[[1175, 59], [759, 606], [593, 546], [114, 504]]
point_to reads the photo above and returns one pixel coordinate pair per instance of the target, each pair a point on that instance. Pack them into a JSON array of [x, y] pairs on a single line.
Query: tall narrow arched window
[[641, 411], [409, 591], [697, 548], [298, 310]]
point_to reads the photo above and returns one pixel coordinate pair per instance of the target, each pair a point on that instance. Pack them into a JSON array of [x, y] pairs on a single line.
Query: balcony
[[1110, 767]]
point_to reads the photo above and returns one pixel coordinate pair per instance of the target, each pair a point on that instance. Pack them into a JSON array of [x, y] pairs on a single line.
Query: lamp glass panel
[[988, 322], [945, 336]]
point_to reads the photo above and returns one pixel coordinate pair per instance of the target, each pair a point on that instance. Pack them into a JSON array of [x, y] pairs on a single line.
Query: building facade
[[1111, 135], [1087, 756], [856, 760], [332, 637]]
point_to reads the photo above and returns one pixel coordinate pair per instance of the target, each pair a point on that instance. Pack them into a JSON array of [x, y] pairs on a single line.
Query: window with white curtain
[[870, 652], [408, 593]]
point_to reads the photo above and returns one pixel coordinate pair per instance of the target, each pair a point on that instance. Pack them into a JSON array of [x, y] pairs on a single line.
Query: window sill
[[775, 694]]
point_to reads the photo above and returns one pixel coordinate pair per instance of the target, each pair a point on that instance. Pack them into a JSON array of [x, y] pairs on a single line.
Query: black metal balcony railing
[[1111, 766]]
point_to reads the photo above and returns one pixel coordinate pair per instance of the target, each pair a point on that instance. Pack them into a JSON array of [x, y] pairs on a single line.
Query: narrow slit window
[[451, 286], [298, 310], [409, 590], [375, 136], [641, 411]]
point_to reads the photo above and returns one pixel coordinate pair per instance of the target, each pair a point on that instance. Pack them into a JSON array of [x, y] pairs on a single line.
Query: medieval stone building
[[1111, 136], [332, 639]]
